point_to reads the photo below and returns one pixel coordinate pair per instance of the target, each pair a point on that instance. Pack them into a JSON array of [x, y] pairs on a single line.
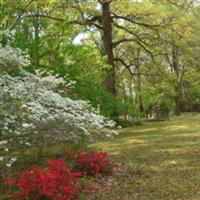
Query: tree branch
[[127, 66], [127, 18], [115, 44], [45, 16], [20, 15], [138, 41], [91, 21], [87, 22]]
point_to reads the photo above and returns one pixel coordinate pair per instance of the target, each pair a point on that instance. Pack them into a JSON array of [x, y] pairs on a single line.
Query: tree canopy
[[133, 58]]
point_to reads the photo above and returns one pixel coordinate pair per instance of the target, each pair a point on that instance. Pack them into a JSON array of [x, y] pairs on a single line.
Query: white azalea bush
[[34, 112], [13, 58]]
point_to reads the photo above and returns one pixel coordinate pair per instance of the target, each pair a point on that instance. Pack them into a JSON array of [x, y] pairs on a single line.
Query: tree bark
[[175, 65], [36, 44], [178, 100], [139, 91], [139, 84], [110, 82]]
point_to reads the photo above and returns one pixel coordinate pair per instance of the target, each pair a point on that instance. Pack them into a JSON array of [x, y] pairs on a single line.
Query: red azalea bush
[[55, 182], [94, 162]]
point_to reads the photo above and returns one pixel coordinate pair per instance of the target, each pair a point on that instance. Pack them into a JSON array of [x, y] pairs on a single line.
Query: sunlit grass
[[162, 160]]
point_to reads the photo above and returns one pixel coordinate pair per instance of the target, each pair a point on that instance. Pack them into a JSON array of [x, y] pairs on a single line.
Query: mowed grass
[[161, 161]]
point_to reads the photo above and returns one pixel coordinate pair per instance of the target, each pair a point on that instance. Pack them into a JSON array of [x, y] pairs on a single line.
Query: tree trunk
[[178, 101], [139, 91], [110, 81], [178, 106], [175, 65], [139, 84], [36, 43]]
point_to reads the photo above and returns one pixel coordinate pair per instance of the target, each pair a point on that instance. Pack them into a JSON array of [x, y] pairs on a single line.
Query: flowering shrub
[[34, 112], [11, 58], [55, 182], [92, 162]]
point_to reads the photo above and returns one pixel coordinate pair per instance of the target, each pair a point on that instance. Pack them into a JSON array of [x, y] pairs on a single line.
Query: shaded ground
[[157, 161]]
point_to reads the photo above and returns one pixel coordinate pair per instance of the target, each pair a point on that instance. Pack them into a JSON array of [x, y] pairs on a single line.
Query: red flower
[[92, 162], [56, 181]]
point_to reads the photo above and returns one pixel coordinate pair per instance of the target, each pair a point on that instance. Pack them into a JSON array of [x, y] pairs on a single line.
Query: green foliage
[[157, 42], [87, 69], [124, 123]]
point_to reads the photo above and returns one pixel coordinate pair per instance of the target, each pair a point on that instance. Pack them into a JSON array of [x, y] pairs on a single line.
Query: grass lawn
[[159, 161]]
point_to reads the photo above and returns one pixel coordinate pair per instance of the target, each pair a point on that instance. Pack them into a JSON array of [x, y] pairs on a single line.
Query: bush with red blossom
[[92, 163], [55, 182]]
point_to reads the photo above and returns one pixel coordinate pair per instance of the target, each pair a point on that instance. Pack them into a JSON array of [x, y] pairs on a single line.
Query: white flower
[[13, 57], [32, 108], [13, 160], [25, 125], [3, 142], [9, 165], [27, 143], [1, 158]]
